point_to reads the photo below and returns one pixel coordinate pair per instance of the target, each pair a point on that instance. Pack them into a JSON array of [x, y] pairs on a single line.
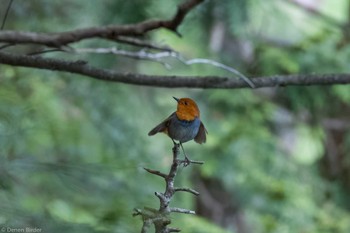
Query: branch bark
[[126, 34], [160, 218], [110, 32], [82, 68]]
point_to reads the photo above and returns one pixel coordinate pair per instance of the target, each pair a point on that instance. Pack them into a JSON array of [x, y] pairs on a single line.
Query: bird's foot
[[187, 162]]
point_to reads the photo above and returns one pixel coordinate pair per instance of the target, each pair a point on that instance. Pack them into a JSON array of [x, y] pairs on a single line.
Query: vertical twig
[[6, 13], [160, 218]]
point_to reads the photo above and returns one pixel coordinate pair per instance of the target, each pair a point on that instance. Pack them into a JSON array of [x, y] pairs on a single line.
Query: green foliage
[[199, 225], [72, 149]]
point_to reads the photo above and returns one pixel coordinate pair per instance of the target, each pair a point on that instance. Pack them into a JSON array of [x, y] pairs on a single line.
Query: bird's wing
[[162, 127], [201, 135]]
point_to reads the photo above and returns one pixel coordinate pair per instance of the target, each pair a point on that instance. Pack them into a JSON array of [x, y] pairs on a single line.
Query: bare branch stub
[[183, 211], [189, 190], [154, 172]]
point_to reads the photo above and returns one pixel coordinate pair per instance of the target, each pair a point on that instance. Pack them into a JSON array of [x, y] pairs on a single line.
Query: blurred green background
[[276, 159]]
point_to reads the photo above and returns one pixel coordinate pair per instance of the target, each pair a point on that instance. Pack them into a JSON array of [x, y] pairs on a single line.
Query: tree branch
[[110, 32], [154, 172], [5, 16], [142, 43], [183, 211], [80, 67], [155, 57], [160, 218], [170, 229], [194, 192]]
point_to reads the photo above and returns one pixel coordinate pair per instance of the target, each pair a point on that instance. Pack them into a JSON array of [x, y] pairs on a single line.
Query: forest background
[[72, 149]]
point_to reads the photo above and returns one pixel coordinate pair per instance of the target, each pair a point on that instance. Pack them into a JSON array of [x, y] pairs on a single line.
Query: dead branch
[[160, 218]]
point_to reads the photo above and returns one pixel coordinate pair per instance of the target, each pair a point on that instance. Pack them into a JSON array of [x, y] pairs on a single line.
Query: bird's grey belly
[[183, 131]]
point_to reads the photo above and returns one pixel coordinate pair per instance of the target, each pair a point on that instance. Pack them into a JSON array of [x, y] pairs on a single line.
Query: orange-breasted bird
[[183, 125]]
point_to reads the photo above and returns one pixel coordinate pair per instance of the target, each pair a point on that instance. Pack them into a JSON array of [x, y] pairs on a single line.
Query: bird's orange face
[[187, 109]]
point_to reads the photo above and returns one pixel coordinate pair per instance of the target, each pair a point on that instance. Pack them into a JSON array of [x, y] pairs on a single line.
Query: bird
[[183, 125]]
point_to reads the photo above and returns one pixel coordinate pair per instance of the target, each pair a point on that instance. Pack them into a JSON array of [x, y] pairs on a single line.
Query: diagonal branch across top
[[110, 32]]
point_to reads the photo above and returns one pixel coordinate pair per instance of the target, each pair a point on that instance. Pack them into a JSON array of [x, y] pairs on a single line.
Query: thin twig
[[194, 192], [220, 65], [142, 43], [6, 46], [45, 51], [142, 54], [6, 13], [161, 197], [171, 229], [154, 172], [183, 211], [158, 57], [137, 212], [187, 162]]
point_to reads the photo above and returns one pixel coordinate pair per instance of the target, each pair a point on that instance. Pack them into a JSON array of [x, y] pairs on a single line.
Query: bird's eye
[[185, 103]]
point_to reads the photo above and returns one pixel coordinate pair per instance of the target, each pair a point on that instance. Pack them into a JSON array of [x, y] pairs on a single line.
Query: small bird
[[183, 125]]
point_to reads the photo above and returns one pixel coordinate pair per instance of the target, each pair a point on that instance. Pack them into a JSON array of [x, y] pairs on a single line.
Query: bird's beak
[[176, 99]]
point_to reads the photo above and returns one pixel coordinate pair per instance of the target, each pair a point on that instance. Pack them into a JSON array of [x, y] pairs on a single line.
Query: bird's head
[[187, 109]]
